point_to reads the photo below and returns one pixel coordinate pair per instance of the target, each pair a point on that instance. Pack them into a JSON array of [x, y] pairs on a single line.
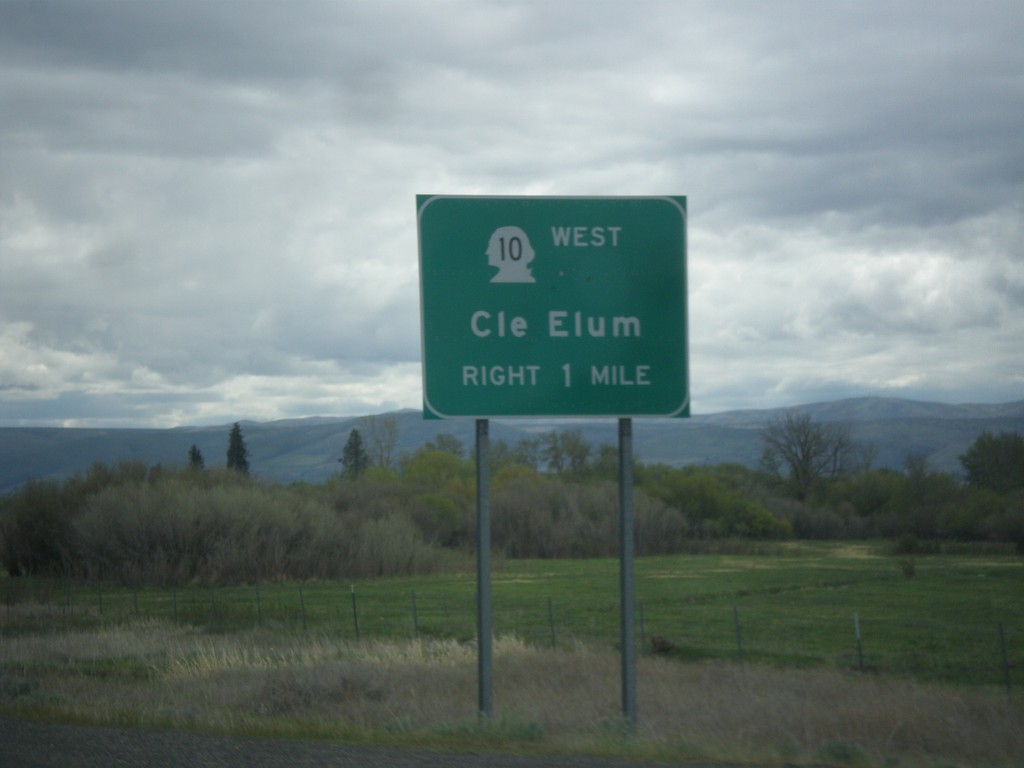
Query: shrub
[[660, 529], [178, 530], [442, 520], [810, 522], [36, 523], [549, 517], [714, 507], [35, 528], [1008, 523], [390, 546]]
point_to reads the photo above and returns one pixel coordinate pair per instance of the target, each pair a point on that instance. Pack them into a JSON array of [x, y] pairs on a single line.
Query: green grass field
[[284, 659], [948, 622]]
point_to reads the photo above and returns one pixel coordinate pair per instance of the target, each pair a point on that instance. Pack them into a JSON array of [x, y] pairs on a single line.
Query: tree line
[[553, 495]]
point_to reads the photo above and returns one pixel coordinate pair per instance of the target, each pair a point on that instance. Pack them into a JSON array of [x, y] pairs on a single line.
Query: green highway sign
[[553, 306]]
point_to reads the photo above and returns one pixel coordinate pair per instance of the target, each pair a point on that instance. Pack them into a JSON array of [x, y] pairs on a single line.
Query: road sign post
[[554, 306]]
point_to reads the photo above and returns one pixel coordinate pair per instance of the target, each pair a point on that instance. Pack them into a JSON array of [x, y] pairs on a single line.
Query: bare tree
[[448, 443], [566, 451], [381, 438], [527, 452], [804, 452], [553, 452], [576, 450]]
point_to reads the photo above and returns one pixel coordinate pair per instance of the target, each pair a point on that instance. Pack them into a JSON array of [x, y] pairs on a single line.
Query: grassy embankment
[[932, 691]]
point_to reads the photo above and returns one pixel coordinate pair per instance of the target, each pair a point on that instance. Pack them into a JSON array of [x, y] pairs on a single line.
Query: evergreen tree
[[995, 462], [238, 454], [354, 459], [195, 458]]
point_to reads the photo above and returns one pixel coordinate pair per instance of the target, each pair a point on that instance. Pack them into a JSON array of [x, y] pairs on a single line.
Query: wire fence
[[751, 631]]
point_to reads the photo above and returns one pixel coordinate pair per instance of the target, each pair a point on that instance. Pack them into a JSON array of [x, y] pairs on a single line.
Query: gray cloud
[[207, 209]]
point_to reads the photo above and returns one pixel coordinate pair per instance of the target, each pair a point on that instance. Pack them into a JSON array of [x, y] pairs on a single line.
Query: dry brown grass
[[564, 700]]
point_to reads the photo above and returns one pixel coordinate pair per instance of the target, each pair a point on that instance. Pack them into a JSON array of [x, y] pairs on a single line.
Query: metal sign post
[[554, 306], [627, 546], [484, 632]]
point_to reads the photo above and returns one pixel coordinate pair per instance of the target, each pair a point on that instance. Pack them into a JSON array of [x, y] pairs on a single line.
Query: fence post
[[355, 611], [1006, 660], [643, 626], [739, 637], [259, 607], [302, 606], [860, 647], [415, 617], [551, 623]]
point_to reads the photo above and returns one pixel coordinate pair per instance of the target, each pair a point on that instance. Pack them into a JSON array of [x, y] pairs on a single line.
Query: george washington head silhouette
[[510, 251]]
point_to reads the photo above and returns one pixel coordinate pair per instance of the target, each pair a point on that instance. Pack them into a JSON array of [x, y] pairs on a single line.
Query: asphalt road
[[29, 744]]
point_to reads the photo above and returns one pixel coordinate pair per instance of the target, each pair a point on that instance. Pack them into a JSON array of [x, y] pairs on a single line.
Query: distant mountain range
[[309, 449]]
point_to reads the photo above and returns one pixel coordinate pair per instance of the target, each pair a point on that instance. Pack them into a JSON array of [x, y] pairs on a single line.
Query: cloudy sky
[[207, 209]]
